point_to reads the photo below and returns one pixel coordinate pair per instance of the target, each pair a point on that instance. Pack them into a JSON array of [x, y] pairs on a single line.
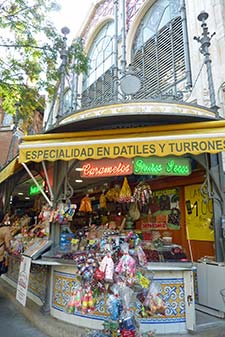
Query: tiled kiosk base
[[37, 279], [176, 286], [176, 283]]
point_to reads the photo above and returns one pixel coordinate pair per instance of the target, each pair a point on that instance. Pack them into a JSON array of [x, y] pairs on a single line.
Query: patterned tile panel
[[37, 279], [172, 290]]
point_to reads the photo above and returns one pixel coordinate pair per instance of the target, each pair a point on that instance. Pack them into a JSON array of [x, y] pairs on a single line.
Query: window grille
[[158, 53], [100, 92], [158, 58]]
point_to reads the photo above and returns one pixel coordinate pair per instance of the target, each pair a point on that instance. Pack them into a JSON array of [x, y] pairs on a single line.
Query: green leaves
[[29, 98], [77, 60], [30, 55]]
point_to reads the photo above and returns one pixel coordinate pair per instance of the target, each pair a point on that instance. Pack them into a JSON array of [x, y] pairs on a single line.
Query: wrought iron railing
[[159, 64]]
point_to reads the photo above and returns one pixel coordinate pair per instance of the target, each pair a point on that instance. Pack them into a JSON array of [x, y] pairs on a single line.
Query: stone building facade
[[159, 34]]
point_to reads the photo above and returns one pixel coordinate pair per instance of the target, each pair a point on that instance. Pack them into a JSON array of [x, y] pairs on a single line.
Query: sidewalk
[[208, 326], [44, 322]]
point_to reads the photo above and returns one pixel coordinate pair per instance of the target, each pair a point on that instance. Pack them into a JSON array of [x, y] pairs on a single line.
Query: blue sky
[[72, 14]]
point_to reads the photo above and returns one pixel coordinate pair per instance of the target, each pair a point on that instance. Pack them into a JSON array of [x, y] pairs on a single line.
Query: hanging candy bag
[[125, 192], [154, 300], [99, 274]]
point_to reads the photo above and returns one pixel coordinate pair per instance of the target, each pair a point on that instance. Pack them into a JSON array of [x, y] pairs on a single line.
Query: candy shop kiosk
[[125, 235]]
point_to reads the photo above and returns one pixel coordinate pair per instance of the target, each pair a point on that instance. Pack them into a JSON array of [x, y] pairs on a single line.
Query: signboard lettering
[[34, 190], [162, 166], [128, 149], [154, 225], [199, 214], [105, 168]]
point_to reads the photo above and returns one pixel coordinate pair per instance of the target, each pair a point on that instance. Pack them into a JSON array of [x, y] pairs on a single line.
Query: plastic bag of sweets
[[126, 264], [107, 264], [128, 297], [87, 300], [129, 326], [142, 259], [75, 300], [125, 192], [114, 305], [111, 328], [154, 301]]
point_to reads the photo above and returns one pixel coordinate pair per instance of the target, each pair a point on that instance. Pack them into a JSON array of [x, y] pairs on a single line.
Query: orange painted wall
[[199, 248]]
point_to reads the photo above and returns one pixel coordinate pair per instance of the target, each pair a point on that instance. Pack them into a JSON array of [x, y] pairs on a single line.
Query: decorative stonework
[[206, 99], [149, 108], [106, 9], [103, 10], [132, 7]]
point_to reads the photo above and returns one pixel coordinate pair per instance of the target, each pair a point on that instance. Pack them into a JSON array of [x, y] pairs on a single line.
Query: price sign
[[199, 213]]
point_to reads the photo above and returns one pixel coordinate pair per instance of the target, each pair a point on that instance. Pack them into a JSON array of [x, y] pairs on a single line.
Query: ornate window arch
[[158, 53], [100, 54]]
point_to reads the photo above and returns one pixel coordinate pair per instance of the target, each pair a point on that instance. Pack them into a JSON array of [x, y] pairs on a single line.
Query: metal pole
[[74, 93], [186, 46], [210, 79], [37, 184], [123, 46], [47, 180], [115, 69], [215, 167], [204, 49]]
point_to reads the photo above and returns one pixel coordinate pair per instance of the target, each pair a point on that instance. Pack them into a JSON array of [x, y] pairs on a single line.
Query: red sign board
[[154, 225], [106, 168]]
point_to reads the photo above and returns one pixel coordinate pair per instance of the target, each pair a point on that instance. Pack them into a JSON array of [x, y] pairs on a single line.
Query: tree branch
[[20, 10], [24, 46]]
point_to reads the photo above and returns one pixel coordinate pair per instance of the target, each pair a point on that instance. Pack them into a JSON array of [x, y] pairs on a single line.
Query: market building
[[132, 150]]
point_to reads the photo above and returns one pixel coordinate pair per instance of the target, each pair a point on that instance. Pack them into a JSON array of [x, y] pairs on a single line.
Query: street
[[13, 323]]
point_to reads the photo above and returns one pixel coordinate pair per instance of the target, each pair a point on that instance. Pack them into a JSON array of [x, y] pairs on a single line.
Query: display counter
[[53, 279], [176, 283]]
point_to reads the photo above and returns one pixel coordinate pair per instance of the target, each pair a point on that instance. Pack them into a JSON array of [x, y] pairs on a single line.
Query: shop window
[[158, 56]]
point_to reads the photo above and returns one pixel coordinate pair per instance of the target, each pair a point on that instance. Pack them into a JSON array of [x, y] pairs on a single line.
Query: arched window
[[100, 54], [158, 55], [97, 84]]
